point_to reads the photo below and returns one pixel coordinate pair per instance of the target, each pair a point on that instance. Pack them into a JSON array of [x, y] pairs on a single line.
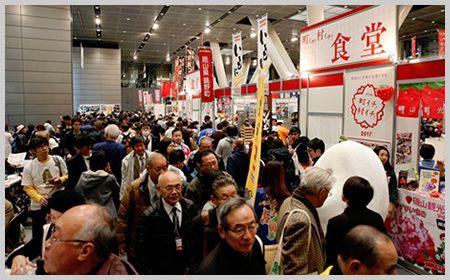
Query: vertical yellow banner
[[253, 174]]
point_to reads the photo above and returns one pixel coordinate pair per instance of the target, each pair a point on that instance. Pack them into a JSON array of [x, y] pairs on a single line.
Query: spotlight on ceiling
[[207, 30], [97, 21], [253, 34], [155, 26]]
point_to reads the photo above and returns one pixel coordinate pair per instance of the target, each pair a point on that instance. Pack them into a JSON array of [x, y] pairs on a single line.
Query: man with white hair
[[303, 242], [115, 152]]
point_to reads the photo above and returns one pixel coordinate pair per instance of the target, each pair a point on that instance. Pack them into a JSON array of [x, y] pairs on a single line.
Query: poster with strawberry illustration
[[428, 179], [369, 104], [417, 228]]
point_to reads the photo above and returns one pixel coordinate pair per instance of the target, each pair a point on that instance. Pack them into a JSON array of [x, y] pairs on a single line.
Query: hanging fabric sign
[[441, 36], [408, 103], [206, 77], [433, 103], [193, 86], [413, 46], [157, 96], [140, 97], [190, 62], [180, 73], [263, 55], [165, 89], [175, 77], [237, 65]]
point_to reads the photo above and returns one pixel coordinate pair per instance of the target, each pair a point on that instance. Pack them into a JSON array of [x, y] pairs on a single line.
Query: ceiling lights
[[97, 20], [207, 30]]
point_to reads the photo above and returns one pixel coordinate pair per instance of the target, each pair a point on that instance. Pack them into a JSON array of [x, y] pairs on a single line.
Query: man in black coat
[[80, 162], [239, 253], [68, 141], [162, 230]]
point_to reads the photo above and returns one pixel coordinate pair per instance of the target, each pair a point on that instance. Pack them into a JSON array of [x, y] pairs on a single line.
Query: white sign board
[[367, 116], [193, 83], [365, 36], [238, 64]]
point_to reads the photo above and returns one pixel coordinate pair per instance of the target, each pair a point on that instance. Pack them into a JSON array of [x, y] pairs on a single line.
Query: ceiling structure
[[131, 27]]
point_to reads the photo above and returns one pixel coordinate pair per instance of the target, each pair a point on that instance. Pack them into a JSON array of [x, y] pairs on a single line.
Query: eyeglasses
[[242, 230], [329, 193], [170, 189], [53, 239], [209, 165], [226, 198]]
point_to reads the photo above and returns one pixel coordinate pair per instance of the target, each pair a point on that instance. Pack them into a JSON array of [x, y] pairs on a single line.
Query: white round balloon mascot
[[349, 159]]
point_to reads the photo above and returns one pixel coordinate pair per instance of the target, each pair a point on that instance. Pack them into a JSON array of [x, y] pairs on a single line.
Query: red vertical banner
[[157, 96], [413, 46], [175, 90], [433, 103], [441, 36], [140, 97], [206, 77]]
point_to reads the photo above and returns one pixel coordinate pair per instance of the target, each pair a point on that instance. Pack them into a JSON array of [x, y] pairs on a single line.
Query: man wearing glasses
[[82, 243], [237, 253], [163, 228], [304, 242]]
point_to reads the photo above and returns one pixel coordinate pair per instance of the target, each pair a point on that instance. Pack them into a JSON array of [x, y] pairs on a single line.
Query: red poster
[[165, 89], [157, 98], [441, 41], [433, 102], [206, 78], [413, 46], [408, 103], [140, 97]]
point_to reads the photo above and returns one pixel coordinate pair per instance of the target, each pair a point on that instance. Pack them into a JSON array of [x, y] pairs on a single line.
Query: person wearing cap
[[62, 201], [21, 139], [282, 131]]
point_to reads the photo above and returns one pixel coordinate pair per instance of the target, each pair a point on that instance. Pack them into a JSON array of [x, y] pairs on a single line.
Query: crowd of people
[[135, 193]]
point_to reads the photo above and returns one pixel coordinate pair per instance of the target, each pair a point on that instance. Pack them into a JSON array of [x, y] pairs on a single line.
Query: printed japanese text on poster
[[237, 65], [365, 36], [190, 62], [206, 79], [263, 54]]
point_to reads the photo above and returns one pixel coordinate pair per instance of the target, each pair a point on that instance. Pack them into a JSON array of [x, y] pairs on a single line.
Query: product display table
[[417, 227]]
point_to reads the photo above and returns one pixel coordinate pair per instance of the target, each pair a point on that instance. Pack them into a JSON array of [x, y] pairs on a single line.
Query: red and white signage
[[157, 96], [361, 37], [433, 103], [193, 86], [140, 97], [206, 77], [413, 47], [441, 36], [263, 54], [408, 103], [366, 114], [175, 89]]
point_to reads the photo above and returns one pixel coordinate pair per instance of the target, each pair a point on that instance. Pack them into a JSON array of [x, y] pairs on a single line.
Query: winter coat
[[101, 187], [238, 166], [156, 251]]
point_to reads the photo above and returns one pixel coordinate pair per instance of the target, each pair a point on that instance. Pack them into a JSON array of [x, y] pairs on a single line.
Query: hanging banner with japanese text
[[433, 101], [441, 36], [263, 55], [413, 47], [206, 75], [253, 173], [140, 97], [417, 228], [361, 37], [165, 89], [193, 85], [157, 96], [367, 114], [237, 61], [190, 62], [175, 89], [180, 84]]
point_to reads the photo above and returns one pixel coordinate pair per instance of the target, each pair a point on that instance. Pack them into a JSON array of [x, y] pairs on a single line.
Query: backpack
[[14, 149]]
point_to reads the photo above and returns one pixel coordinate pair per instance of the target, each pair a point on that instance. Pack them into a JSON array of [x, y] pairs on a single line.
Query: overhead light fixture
[[155, 26], [433, 21], [253, 34], [135, 56], [199, 9], [207, 30], [294, 38], [168, 58], [124, 31], [128, 18]]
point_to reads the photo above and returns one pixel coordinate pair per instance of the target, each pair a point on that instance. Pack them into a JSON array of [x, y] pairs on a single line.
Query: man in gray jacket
[[225, 146]]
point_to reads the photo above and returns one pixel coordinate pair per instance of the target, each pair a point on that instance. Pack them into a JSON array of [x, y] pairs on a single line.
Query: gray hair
[[100, 231], [112, 130], [221, 181], [316, 178], [230, 205], [205, 138]]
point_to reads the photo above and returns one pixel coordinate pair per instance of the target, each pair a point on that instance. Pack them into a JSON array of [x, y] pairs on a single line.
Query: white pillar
[[315, 14], [218, 65], [403, 11]]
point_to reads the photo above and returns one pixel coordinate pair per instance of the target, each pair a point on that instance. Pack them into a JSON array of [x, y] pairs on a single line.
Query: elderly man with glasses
[[163, 228], [304, 242], [82, 243], [237, 253]]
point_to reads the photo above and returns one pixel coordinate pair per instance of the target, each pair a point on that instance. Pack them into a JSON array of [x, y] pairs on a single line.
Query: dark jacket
[[100, 187], [115, 153], [135, 200], [75, 167], [156, 251], [21, 144], [195, 243], [237, 166], [155, 142], [224, 260], [338, 226], [68, 143]]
